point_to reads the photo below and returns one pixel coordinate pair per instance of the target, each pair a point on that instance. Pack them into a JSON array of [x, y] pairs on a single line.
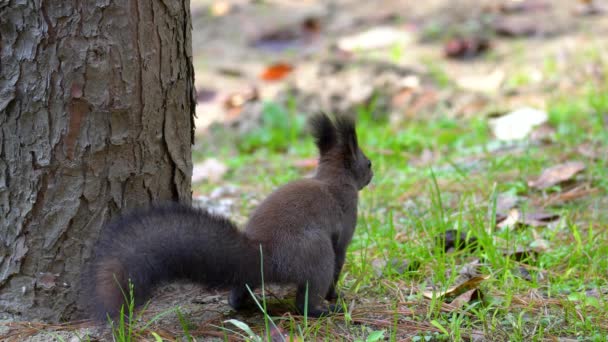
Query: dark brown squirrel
[[303, 228]]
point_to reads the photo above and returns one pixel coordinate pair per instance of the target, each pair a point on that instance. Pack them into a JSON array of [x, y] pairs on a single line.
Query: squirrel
[[298, 235]]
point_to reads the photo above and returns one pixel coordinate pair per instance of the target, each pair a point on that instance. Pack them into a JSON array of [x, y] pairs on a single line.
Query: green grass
[[406, 208]]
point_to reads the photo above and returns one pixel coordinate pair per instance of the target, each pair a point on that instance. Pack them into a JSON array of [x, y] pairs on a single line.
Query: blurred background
[[429, 78]]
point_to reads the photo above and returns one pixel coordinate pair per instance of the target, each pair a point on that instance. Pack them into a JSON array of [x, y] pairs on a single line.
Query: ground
[[486, 122]]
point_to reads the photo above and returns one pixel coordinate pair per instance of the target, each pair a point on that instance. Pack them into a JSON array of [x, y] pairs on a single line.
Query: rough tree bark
[[96, 109]]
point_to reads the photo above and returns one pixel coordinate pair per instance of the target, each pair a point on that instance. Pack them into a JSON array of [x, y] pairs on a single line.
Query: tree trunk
[[96, 115]]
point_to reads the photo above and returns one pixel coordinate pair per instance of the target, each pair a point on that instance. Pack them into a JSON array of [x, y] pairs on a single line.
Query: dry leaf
[[505, 202], [300, 35], [516, 219], [517, 124], [465, 298], [205, 95], [592, 151], [467, 47], [589, 7], [486, 83], [510, 7], [523, 273], [557, 174], [276, 72], [543, 133], [374, 38], [234, 102], [517, 26], [570, 195], [457, 290]]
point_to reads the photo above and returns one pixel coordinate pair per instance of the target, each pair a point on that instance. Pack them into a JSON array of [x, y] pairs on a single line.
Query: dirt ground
[[235, 42]]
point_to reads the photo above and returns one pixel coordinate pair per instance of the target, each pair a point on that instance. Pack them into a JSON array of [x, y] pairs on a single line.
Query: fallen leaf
[[540, 245], [488, 83], [375, 38], [523, 273], [510, 7], [469, 270], [205, 95], [505, 202], [465, 298], [421, 101], [465, 47], [592, 151], [211, 169], [289, 37], [589, 8], [234, 102], [517, 124], [458, 289], [543, 133], [517, 26], [517, 219], [570, 195], [557, 174], [402, 98], [276, 72]]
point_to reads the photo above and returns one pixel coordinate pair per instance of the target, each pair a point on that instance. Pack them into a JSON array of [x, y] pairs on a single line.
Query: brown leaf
[[465, 298], [466, 47], [543, 133], [517, 219], [234, 102], [523, 273], [472, 283], [276, 72], [524, 6], [374, 38], [505, 202], [557, 174], [205, 95], [592, 151], [290, 36], [517, 26], [570, 195]]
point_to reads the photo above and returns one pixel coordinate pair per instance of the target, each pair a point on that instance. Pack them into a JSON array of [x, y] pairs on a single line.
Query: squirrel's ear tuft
[[348, 135], [324, 132]]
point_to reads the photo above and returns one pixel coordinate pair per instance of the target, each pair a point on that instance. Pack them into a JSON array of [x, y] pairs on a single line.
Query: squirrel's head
[[338, 147]]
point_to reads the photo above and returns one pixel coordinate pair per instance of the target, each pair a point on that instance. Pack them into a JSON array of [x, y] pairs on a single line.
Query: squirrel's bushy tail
[[162, 244]]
